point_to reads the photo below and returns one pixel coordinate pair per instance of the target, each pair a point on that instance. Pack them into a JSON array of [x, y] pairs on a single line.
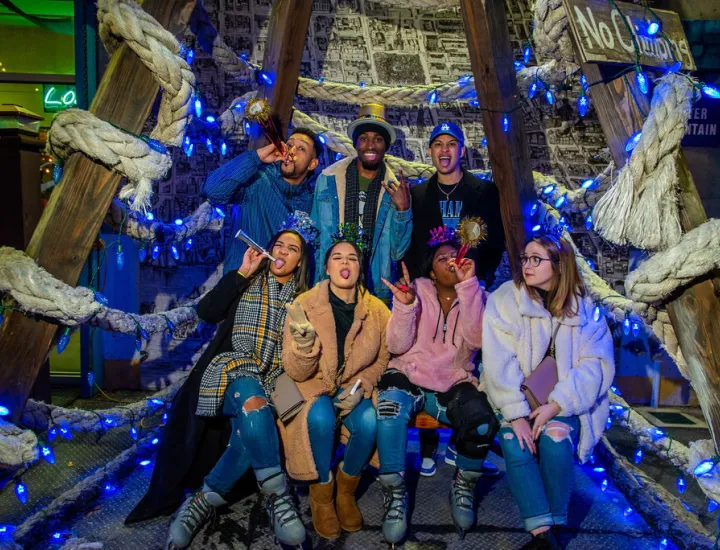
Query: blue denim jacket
[[393, 229]]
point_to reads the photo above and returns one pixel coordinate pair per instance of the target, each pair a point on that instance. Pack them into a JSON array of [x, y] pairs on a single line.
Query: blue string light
[[505, 123], [589, 222], [534, 208], [100, 297], [642, 81], [674, 68], [4, 411], [223, 149], [635, 329], [433, 97], [198, 107], [548, 189], [155, 441], [527, 53], [705, 467], [220, 212], [654, 28], [626, 326], [608, 423], [63, 341], [587, 184], [663, 544], [155, 251], [175, 252], [138, 343], [583, 104], [584, 82], [464, 79], [362, 84], [178, 221], [681, 484], [144, 463], [142, 253], [267, 79], [628, 511], [120, 258], [210, 119], [591, 264], [52, 433], [189, 150], [156, 401], [134, 433], [57, 173], [150, 216], [21, 491], [633, 141], [712, 506], [534, 87], [322, 139], [483, 143], [549, 96], [519, 66], [474, 103], [560, 201], [536, 228], [604, 485], [599, 470], [164, 418], [638, 456], [190, 56], [711, 91], [209, 145], [48, 454]]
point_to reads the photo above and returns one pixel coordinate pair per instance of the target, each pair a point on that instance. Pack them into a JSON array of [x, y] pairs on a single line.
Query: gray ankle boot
[[192, 515], [462, 500], [284, 517], [394, 523]]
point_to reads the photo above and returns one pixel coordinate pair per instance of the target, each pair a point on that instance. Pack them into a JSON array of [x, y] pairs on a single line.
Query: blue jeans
[[399, 400], [362, 425], [254, 439], [542, 484]]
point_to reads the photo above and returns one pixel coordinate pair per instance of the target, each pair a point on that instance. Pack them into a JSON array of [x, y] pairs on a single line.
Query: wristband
[[242, 274]]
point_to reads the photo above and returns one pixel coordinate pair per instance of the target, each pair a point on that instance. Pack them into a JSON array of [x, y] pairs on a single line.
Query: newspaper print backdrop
[[353, 41]]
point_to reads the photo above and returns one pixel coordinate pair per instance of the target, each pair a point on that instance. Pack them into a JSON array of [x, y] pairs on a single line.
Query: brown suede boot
[[322, 506], [345, 503]]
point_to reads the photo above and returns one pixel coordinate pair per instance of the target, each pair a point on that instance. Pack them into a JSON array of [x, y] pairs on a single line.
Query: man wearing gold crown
[[363, 190]]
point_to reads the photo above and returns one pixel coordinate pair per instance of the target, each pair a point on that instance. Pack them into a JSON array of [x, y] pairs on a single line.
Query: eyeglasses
[[533, 260]]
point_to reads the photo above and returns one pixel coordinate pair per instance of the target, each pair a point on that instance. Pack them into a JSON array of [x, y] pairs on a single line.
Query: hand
[[300, 328], [522, 430], [465, 270], [402, 290], [399, 193], [270, 153], [251, 261], [542, 415], [346, 402]]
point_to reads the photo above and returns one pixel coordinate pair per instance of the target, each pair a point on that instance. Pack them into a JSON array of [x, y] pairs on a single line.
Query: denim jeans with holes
[[542, 484], [254, 439]]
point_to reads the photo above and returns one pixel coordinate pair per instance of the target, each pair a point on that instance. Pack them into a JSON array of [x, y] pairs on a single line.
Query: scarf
[[256, 341], [352, 202], [344, 315]]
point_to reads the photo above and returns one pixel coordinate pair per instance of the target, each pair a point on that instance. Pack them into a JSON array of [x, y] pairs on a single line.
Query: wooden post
[[695, 312], [287, 31], [71, 221], [493, 65]]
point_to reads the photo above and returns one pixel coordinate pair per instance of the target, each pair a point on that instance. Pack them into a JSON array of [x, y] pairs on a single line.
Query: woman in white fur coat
[[520, 318]]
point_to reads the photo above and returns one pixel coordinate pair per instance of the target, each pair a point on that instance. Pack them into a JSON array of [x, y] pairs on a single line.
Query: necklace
[[447, 195]]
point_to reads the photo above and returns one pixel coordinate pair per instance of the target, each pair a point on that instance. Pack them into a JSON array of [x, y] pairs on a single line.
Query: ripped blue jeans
[[254, 439], [542, 484], [463, 407]]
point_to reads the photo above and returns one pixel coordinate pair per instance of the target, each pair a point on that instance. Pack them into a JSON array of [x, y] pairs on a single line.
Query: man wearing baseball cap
[[362, 190], [450, 195]]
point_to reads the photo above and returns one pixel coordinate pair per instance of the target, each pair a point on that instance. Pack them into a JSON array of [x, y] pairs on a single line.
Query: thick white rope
[[137, 227], [419, 4], [550, 31], [18, 447], [76, 130], [228, 59], [550, 190], [642, 207], [125, 21]]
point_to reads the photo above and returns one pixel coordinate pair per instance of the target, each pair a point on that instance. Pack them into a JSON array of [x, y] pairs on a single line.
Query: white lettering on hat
[[445, 127]]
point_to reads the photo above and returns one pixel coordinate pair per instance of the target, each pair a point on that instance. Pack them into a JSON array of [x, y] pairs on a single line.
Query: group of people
[[359, 370]]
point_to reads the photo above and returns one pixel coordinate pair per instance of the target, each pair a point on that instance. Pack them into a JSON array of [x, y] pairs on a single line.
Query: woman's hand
[[402, 290], [542, 415], [251, 262], [523, 432], [347, 402], [301, 329], [465, 270]]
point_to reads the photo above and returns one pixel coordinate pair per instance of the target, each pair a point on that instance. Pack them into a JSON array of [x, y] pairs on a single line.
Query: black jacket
[[481, 199], [191, 445]]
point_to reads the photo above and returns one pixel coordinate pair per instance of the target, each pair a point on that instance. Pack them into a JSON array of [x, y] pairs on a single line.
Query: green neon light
[[59, 97]]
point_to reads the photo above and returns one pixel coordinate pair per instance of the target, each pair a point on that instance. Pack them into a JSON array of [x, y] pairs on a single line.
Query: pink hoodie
[[433, 354]]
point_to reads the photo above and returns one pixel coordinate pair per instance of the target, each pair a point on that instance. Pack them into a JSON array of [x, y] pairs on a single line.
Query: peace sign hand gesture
[[399, 193], [402, 290], [301, 329]]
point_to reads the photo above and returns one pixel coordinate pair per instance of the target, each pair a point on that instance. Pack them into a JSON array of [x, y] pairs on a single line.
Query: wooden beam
[[71, 221], [287, 31], [493, 65], [694, 312]]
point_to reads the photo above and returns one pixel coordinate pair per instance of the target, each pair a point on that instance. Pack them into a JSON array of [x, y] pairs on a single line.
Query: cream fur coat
[[516, 334]]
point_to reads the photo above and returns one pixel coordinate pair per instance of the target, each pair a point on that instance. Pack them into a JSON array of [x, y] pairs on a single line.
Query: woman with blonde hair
[[545, 312]]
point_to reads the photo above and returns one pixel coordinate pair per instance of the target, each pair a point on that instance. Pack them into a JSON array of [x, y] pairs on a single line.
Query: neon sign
[[58, 97]]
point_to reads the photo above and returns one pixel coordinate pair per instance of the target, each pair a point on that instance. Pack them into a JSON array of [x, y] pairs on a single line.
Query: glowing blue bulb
[[52, 434], [63, 341], [321, 79], [120, 258], [220, 212], [156, 401], [583, 104], [589, 222], [338, 156], [591, 264], [561, 200], [534, 208], [189, 150], [681, 485], [656, 433], [109, 421], [155, 251], [519, 66], [527, 54], [322, 139], [150, 216], [143, 333], [628, 511], [57, 535], [587, 184], [198, 107], [210, 119], [178, 221], [549, 96], [711, 91], [164, 418], [464, 79], [190, 56], [548, 189], [433, 97], [704, 468], [674, 68], [654, 27], [533, 89], [639, 456], [142, 253], [144, 463], [209, 144], [505, 123], [223, 148], [267, 79], [4, 411], [712, 506], [615, 390], [536, 228], [138, 343], [608, 423], [474, 103], [584, 82], [626, 326], [362, 83], [21, 491], [110, 488], [642, 81], [188, 244], [635, 329], [134, 433], [633, 141], [57, 173], [175, 252], [604, 485], [48, 454], [247, 126], [155, 441], [483, 143], [663, 544], [599, 469], [100, 297]]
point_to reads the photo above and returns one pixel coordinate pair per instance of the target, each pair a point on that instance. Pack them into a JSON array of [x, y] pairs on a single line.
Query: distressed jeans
[[362, 425], [542, 484], [254, 439]]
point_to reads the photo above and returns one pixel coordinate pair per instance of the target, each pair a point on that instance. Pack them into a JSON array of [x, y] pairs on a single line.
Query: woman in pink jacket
[[433, 334]]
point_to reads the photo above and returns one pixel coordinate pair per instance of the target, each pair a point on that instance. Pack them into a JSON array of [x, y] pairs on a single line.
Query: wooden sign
[[704, 124], [601, 35]]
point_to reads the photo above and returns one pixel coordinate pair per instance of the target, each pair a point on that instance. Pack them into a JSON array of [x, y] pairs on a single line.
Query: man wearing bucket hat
[[362, 190]]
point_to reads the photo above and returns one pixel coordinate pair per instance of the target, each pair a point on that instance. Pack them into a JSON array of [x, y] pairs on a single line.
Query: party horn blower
[[472, 232]]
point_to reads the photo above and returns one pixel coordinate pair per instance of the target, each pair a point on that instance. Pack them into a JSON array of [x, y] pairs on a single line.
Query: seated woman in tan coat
[[334, 347]]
